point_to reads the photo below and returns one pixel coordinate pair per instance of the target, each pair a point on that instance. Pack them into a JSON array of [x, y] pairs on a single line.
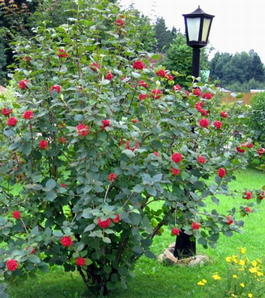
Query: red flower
[[175, 231], [109, 76], [157, 93], [63, 185], [62, 140], [16, 214], [222, 172], [23, 84], [197, 92], [135, 120], [6, 112], [229, 220], [240, 149], [199, 106], [156, 154], [169, 77], [120, 22], [218, 124], [105, 123], [204, 122], [175, 171], [261, 151], [224, 114], [82, 129], [176, 157], [248, 210], [138, 65], [143, 84], [11, 265], [66, 241], [207, 95], [80, 261], [112, 177], [261, 195], [247, 195], [28, 114], [104, 223], [95, 66], [195, 225], [128, 146], [201, 159], [61, 53], [250, 145], [43, 144], [177, 87], [11, 121], [56, 88], [142, 96], [116, 219], [161, 73]]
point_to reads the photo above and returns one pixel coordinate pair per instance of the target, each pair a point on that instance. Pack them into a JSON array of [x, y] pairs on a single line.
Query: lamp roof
[[198, 13]]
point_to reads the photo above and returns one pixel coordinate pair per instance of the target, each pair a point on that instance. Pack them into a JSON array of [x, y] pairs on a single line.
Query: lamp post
[[197, 27]]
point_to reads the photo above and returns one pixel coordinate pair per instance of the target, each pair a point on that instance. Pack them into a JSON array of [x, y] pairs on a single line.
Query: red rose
[[138, 65], [11, 265], [11, 121], [61, 53], [63, 185], [82, 129], [176, 157], [204, 122], [175, 171], [6, 112], [195, 225], [261, 151], [222, 172], [229, 220], [62, 140], [28, 114], [250, 145], [156, 154], [175, 231], [240, 150], [143, 84], [105, 123], [197, 92], [66, 241], [104, 223], [201, 159], [156, 93], [109, 76], [177, 87], [95, 66], [199, 105], [169, 77], [128, 146], [16, 214], [23, 84], [224, 114], [207, 95], [217, 124], [247, 195], [142, 96], [112, 177], [56, 88], [80, 261], [116, 219], [247, 210], [43, 144], [161, 73], [135, 120], [119, 22]]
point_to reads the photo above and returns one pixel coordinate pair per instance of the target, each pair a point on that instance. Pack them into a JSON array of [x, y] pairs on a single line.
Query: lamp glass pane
[[205, 29], [193, 25]]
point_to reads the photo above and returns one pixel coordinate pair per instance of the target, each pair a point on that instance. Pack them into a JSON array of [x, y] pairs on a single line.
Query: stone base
[[167, 257]]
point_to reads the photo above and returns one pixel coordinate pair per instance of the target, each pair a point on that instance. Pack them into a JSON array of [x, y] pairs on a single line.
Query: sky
[[239, 25]]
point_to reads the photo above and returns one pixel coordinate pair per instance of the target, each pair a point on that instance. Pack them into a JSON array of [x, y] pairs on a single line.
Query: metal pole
[[196, 62]]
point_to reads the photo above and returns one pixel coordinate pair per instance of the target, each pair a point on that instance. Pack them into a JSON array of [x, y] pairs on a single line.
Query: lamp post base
[[185, 246]]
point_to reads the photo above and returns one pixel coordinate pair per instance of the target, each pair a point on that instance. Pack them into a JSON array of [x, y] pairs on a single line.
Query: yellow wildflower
[[259, 273], [216, 276], [242, 285], [234, 276], [253, 269], [202, 282], [228, 259], [250, 295], [243, 250], [254, 263], [242, 262]]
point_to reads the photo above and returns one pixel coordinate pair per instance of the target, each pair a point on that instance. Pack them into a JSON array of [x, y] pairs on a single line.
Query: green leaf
[[89, 227], [50, 184], [50, 196], [106, 240]]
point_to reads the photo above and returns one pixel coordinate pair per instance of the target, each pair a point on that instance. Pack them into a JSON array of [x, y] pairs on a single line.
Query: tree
[[163, 35]]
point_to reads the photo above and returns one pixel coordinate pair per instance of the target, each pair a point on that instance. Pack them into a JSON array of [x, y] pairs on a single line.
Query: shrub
[[86, 154]]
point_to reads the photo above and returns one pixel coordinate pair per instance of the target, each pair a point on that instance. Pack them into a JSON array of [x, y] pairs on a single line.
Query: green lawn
[[155, 280]]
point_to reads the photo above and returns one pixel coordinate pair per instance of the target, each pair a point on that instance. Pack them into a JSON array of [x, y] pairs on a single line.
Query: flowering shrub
[[88, 155], [244, 278]]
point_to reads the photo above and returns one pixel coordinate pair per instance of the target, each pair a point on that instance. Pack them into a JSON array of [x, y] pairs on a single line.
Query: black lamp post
[[197, 27]]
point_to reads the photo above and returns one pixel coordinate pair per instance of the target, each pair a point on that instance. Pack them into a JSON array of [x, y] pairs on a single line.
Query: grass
[[152, 279]]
